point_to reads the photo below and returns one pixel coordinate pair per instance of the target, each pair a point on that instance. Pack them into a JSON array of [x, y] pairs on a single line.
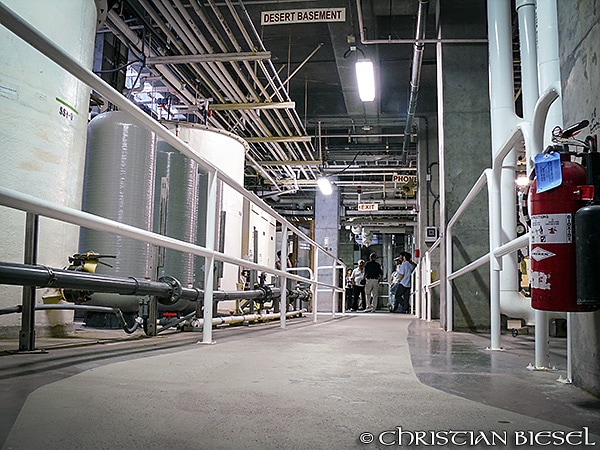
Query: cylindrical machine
[[176, 208], [119, 185], [587, 250], [44, 122], [551, 245]]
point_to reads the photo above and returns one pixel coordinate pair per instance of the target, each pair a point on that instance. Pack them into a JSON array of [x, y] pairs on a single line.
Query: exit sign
[[368, 206]]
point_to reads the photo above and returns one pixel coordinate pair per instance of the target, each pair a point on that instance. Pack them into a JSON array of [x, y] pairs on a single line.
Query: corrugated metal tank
[[227, 152], [119, 185], [180, 175], [43, 129]]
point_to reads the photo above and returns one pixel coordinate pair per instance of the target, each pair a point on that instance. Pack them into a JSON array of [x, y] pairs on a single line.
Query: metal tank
[[43, 130], [119, 185], [176, 214]]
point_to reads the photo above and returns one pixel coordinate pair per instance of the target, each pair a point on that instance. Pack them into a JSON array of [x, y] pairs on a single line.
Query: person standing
[[358, 283], [373, 274], [349, 290], [403, 292], [394, 283]]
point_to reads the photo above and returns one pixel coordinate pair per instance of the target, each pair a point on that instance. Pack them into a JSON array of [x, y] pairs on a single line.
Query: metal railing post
[[27, 332]]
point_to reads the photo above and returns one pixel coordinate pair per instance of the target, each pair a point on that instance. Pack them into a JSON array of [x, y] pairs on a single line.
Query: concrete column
[[466, 153], [327, 223]]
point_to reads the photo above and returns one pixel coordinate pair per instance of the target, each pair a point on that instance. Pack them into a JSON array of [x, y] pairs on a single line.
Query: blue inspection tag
[[548, 172]]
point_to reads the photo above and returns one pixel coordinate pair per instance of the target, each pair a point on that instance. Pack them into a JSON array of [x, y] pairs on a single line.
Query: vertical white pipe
[[422, 286], [445, 260], [528, 53], [333, 291], [549, 76], [427, 277], [448, 269], [569, 354], [529, 71], [549, 62], [209, 263], [315, 291], [283, 284], [502, 185]]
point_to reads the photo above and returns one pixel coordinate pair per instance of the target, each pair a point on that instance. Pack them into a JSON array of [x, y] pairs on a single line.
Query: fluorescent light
[[324, 185], [366, 80]]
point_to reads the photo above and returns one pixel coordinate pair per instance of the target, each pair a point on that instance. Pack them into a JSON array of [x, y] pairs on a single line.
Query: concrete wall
[[467, 150], [579, 34]]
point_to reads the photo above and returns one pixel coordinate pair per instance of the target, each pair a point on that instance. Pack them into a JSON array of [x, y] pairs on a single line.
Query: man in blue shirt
[[404, 272]]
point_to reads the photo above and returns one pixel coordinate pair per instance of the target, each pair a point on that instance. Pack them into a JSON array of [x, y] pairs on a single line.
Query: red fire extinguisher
[[558, 191]]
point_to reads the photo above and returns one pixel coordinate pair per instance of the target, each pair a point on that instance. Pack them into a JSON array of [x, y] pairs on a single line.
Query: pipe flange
[[175, 290], [267, 292]]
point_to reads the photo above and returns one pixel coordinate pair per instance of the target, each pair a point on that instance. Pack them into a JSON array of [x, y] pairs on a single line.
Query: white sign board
[[551, 229], [303, 16], [368, 207], [397, 178]]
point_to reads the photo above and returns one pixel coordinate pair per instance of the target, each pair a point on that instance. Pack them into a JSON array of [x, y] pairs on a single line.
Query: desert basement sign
[[303, 16]]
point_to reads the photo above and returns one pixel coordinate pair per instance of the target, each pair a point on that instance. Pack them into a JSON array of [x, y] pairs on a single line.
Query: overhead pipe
[[273, 79], [415, 80], [120, 29], [217, 72], [200, 40]]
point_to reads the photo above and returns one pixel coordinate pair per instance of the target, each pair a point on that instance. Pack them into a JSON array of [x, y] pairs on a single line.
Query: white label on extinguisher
[[539, 253], [551, 229]]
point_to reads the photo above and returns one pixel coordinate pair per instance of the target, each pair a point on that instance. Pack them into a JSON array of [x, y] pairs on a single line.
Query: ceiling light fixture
[[365, 76], [324, 185]]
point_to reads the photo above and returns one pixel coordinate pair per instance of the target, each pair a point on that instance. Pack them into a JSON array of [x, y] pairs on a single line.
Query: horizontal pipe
[[256, 105], [107, 309], [225, 320], [204, 58], [68, 306], [47, 277], [278, 139]]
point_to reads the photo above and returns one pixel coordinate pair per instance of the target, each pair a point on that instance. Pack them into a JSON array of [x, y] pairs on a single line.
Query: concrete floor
[[349, 382]]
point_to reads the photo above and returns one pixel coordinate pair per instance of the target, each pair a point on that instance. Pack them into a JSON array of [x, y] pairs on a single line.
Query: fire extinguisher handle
[[568, 132]]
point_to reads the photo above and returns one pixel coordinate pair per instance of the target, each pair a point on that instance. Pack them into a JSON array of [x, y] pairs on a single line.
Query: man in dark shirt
[[373, 274]]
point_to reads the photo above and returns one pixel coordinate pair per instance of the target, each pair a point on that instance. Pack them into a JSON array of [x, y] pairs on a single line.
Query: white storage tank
[[43, 132], [119, 185]]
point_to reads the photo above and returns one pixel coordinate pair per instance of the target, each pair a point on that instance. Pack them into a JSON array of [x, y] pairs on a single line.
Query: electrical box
[[431, 234]]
